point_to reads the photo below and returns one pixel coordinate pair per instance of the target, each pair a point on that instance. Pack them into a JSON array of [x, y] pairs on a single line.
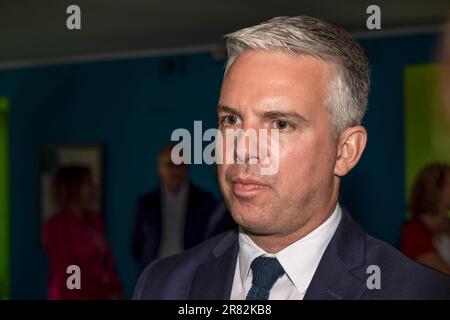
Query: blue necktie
[[266, 272]]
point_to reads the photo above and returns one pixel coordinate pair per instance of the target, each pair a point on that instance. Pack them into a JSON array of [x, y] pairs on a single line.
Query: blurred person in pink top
[[75, 236]]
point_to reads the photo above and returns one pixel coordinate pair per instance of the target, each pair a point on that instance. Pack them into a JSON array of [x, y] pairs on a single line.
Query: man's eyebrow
[[228, 109], [276, 114]]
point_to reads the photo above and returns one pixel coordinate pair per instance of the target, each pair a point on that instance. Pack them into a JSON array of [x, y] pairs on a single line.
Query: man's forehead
[[274, 70], [258, 84]]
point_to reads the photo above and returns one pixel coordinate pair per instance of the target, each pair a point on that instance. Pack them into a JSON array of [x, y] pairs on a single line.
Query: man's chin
[[257, 230], [251, 206], [253, 223]]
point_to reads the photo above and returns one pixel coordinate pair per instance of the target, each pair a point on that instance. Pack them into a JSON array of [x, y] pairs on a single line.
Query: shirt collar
[[300, 259], [181, 194]]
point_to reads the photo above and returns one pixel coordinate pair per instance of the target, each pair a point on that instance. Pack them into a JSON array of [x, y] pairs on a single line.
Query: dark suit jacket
[[148, 227], [206, 271]]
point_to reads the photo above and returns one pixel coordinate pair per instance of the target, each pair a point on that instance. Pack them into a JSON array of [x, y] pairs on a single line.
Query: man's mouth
[[247, 187]]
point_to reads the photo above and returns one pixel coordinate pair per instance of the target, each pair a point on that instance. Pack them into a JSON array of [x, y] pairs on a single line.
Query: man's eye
[[281, 124], [230, 120]]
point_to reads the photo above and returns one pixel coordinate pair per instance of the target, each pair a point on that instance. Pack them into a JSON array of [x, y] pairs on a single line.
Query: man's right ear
[[351, 145]]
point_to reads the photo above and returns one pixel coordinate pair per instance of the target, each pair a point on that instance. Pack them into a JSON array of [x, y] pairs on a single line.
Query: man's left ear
[[351, 144]]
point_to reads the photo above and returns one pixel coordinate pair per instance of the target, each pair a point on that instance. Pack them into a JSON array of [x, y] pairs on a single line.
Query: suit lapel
[[341, 273], [214, 279]]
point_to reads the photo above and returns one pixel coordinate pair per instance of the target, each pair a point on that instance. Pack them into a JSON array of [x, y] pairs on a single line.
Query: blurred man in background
[[172, 218]]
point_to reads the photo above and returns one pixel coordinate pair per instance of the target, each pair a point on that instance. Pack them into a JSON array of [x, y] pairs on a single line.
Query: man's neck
[[274, 243], [175, 191]]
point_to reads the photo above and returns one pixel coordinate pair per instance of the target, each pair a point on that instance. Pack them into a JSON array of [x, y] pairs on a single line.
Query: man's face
[[172, 175], [267, 90]]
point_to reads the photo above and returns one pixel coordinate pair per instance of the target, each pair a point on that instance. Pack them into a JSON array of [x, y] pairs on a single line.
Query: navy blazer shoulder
[[207, 270]]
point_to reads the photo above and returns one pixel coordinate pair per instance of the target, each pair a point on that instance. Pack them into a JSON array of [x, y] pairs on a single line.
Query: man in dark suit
[[173, 217], [308, 82]]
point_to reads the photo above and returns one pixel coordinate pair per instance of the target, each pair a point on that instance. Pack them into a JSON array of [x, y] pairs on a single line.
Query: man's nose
[[246, 145]]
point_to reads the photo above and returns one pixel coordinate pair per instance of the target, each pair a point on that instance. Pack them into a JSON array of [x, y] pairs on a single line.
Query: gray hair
[[303, 35]]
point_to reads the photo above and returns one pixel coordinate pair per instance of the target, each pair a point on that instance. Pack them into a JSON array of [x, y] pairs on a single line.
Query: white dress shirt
[[299, 261], [173, 220]]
